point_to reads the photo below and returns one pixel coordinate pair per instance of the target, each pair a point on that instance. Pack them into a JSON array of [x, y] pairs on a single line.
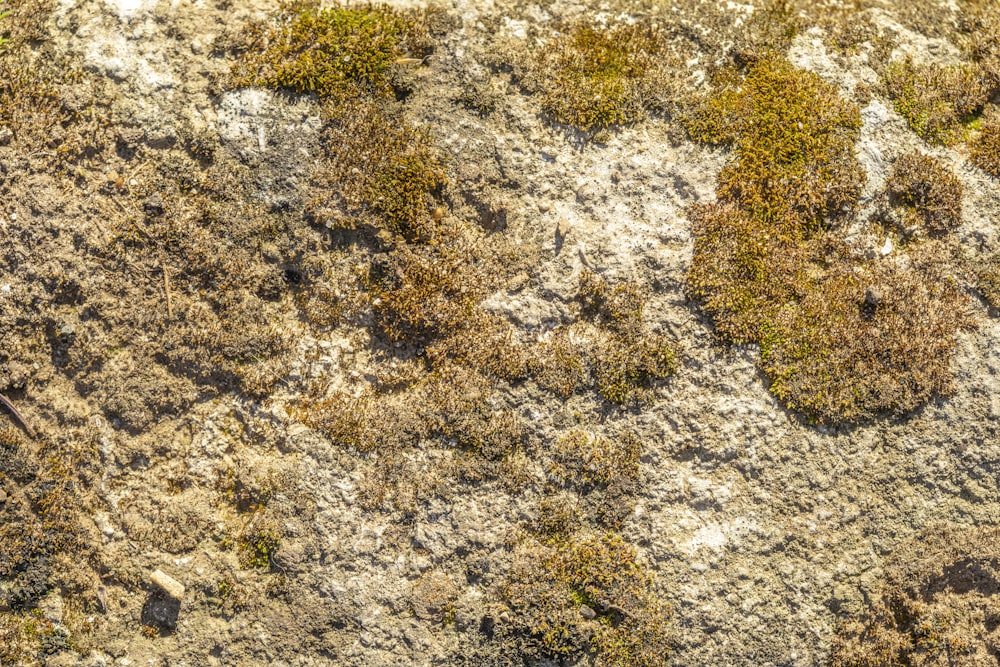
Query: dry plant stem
[[20, 418], [166, 290]]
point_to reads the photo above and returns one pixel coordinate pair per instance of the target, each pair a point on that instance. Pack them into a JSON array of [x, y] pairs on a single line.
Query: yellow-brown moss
[[593, 77], [603, 471], [929, 192], [938, 605], [988, 275], [340, 52], [937, 101], [587, 460], [588, 595], [561, 363], [627, 367], [985, 145], [841, 339], [377, 170], [626, 359]]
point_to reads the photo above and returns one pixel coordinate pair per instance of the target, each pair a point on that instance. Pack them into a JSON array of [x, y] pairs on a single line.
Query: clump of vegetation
[[618, 355], [841, 340], [627, 368], [342, 52], [938, 101], [561, 362], [628, 359], [366, 423], [978, 26], [378, 169], [847, 29], [424, 292], [587, 596], [861, 344], [386, 173], [769, 29], [938, 605], [603, 471], [989, 281], [618, 308], [258, 540], [594, 78], [793, 136], [586, 460], [985, 145], [928, 191]]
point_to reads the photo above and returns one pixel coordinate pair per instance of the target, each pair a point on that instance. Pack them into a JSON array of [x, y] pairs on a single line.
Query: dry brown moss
[[978, 26], [863, 343], [628, 360], [938, 101], [610, 349], [586, 460], [221, 326], [929, 192], [561, 362], [603, 471], [938, 606], [988, 275], [841, 339], [340, 52], [587, 597], [377, 170], [593, 77], [985, 145], [364, 423]]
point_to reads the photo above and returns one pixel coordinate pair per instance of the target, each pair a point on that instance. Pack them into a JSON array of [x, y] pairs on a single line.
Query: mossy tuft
[[937, 604], [842, 339], [595, 78], [985, 145], [937, 101], [378, 170], [588, 596], [610, 349], [339, 52], [928, 191]]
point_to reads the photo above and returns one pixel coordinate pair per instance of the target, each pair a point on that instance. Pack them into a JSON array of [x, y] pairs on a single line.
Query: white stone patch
[[714, 536], [514, 28], [114, 56], [253, 118], [128, 9]]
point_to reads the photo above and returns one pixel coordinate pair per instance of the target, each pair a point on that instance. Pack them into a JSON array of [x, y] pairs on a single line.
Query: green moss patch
[[842, 338], [593, 77], [341, 52], [937, 101]]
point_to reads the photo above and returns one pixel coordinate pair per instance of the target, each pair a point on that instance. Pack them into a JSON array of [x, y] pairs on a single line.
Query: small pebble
[[3, 496], [168, 584], [588, 613]]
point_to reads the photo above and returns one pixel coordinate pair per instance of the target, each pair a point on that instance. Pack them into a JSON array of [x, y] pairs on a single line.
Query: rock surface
[[762, 532]]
